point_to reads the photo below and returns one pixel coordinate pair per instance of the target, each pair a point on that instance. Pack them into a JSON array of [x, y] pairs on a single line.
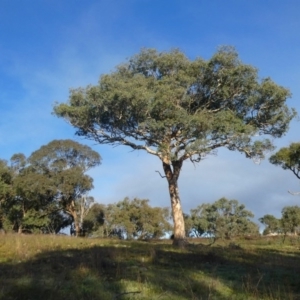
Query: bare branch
[[104, 138], [161, 175]]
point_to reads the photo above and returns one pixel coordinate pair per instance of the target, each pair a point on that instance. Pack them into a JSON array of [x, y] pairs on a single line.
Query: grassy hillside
[[61, 267]]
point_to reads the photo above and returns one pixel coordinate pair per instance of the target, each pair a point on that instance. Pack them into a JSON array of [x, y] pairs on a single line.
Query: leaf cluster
[[288, 158]]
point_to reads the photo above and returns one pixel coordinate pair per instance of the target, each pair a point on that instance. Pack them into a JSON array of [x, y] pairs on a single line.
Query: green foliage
[[177, 108], [18, 161], [273, 225], [61, 155], [37, 193], [94, 221], [65, 162], [128, 219], [288, 158], [198, 221], [8, 193], [222, 219], [56, 221], [288, 224], [291, 219], [6, 190], [6, 176]]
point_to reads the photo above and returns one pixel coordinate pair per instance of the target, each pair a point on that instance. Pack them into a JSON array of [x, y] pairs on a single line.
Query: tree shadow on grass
[[257, 273], [136, 270]]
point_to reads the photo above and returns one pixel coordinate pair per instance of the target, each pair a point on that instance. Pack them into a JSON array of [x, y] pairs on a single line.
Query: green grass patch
[[59, 267]]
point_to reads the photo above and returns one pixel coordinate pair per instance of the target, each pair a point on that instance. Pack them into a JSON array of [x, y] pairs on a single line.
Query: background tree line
[[289, 223], [128, 219], [48, 191]]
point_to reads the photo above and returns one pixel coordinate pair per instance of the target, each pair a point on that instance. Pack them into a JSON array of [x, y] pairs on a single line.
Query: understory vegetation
[[61, 267]]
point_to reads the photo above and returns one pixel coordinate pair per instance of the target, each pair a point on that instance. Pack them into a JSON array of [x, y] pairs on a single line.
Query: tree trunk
[[71, 210], [76, 223], [178, 220], [77, 227]]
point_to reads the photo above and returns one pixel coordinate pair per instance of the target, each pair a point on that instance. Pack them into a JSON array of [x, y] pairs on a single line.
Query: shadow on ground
[[140, 270]]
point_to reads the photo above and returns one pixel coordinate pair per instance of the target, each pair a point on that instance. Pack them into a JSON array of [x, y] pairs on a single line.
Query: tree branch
[[160, 174], [104, 138], [295, 171]]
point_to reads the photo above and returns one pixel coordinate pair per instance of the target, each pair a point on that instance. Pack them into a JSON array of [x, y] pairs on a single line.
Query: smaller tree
[[66, 162], [291, 219], [223, 219], [37, 194], [272, 224], [135, 218]]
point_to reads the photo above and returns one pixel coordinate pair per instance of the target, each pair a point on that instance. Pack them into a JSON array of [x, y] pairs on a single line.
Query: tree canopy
[[222, 219], [291, 219], [288, 158], [178, 109], [289, 223], [65, 162], [39, 192], [137, 219], [273, 225]]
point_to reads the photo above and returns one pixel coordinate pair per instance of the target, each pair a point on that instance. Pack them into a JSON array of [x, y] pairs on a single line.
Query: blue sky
[[49, 46]]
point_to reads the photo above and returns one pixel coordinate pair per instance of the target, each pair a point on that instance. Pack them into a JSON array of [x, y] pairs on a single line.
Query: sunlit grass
[[61, 267]]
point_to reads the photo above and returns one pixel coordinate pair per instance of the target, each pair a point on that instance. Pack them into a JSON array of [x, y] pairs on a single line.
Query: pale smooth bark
[[172, 172], [20, 229], [72, 211]]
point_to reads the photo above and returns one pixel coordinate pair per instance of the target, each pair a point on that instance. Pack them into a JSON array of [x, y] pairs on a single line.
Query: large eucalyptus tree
[[180, 109]]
